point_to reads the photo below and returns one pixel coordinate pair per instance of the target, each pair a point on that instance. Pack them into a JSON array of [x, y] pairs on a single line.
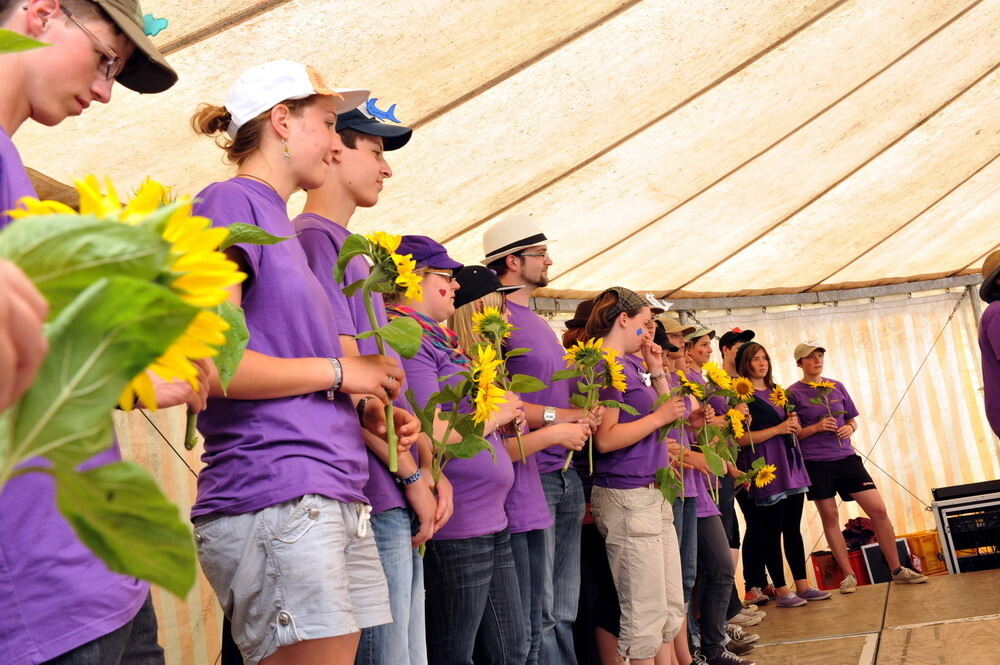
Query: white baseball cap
[[262, 87]]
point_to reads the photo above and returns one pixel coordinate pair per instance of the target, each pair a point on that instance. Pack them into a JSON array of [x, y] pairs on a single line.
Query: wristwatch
[[548, 415]]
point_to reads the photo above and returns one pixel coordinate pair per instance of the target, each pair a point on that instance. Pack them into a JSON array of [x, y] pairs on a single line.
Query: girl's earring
[[285, 154]]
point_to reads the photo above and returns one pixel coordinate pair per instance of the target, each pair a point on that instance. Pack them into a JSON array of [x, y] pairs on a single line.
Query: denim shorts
[[301, 570]]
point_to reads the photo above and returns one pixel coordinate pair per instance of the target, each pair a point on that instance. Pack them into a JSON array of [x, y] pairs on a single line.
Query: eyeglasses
[[540, 255], [447, 275], [111, 64]]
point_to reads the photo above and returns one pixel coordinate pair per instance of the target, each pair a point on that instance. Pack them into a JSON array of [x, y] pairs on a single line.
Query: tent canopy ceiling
[[726, 148]]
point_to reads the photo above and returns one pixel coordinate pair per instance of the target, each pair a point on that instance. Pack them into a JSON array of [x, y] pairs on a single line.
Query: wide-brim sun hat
[[509, 235]]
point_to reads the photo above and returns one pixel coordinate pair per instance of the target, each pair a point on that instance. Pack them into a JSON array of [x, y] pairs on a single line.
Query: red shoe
[[754, 597], [769, 592]]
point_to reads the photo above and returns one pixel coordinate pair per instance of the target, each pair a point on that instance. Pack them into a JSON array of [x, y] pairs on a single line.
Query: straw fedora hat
[[509, 235], [988, 290]]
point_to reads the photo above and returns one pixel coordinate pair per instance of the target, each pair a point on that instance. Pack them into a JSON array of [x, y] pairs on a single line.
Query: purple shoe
[[790, 600], [812, 593]]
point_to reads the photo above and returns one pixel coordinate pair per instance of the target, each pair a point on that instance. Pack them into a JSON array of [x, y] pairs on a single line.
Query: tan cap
[[509, 235], [988, 290], [699, 333], [805, 348], [672, 325], [146, 70]]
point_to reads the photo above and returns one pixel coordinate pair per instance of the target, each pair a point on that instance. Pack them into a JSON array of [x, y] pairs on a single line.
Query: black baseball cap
[[474, 282], [731, 337], [363, 121], [660, 338]]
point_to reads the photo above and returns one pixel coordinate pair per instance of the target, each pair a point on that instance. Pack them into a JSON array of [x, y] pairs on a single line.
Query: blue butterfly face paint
[[153, 26], [639, 332]]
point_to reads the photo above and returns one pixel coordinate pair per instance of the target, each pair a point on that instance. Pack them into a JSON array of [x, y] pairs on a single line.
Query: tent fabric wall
[[937, 436], [704, 138]]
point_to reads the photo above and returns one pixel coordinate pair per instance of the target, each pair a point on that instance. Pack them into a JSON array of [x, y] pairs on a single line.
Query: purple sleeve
[[322, 257], [226, 203], [850, 411], [991, 333]]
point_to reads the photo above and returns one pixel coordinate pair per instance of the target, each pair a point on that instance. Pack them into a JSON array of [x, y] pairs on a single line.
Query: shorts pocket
[[305, 512], [643, 521]]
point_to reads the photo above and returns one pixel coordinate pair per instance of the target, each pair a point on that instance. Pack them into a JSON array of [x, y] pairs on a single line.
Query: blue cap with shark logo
[[367, 119]]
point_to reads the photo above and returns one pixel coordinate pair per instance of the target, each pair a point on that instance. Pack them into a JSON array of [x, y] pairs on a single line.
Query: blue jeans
[[404, 640], [686, 523], [473, 606], [132, 644], [561, 584], [529, 561]]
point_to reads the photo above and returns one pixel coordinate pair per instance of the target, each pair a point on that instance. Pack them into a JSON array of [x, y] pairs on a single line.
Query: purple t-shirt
[[704, 503], [480, 485], [321, 240], [56, 594], [546, 358], [635, 465], [989, 347], [526, 506], [259, 453], [823, 446], [791, 476], [685, 437]]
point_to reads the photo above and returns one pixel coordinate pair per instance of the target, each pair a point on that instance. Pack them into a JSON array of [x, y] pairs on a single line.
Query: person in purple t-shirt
[[629, 510], [60, 601], [357, 172], [835, 467], [776, 508], [516, 249], [285, 464], [473, 605], [527, 510], [989, 339]]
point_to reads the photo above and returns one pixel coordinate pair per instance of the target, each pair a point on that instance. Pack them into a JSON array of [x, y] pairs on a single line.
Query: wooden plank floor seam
[[985, 617], [805, 640]]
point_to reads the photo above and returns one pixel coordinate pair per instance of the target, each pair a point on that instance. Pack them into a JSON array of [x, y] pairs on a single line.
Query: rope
[[167, 441]]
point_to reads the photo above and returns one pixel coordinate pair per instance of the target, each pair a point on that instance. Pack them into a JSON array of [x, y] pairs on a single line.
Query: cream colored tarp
[[728, 147]]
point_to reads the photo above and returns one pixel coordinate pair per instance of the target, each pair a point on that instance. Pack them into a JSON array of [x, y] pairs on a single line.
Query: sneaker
[[755, 597], [737, 634], [790, 600], [769, 592], [908, 576], [849, 585], [697, 658], [745, 620], [727, 658], [752, 610], [812, 593], [739, 647]]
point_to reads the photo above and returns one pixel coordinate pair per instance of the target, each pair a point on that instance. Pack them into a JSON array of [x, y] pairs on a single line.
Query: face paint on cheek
[[443, 292], [639, 332]]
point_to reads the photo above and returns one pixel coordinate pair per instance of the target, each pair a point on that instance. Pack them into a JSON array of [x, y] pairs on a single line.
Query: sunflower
[[489, 396], [736, 419], [743, 387], [765, 475], [407, 277], [616, 373], [587, 353], [689, 386], [778, 397], [387, 241], [823, 387], [490, 324], [718, 376]]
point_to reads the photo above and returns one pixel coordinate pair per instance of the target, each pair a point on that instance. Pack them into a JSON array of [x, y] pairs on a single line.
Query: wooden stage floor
[[950, 620]]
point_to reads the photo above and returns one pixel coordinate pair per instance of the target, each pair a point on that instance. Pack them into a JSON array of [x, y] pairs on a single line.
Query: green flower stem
[[191, 430], [506, 387], [390, 424]]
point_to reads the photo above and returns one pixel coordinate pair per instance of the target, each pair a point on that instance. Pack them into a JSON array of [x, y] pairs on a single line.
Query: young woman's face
[[759, 364], [636, 329], [439, 293], [363, 169], [813, 363], [70, 74], [701, 350], [311, 141]]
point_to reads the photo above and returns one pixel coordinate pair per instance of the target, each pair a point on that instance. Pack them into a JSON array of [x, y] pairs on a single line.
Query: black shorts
[[843, 476]]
